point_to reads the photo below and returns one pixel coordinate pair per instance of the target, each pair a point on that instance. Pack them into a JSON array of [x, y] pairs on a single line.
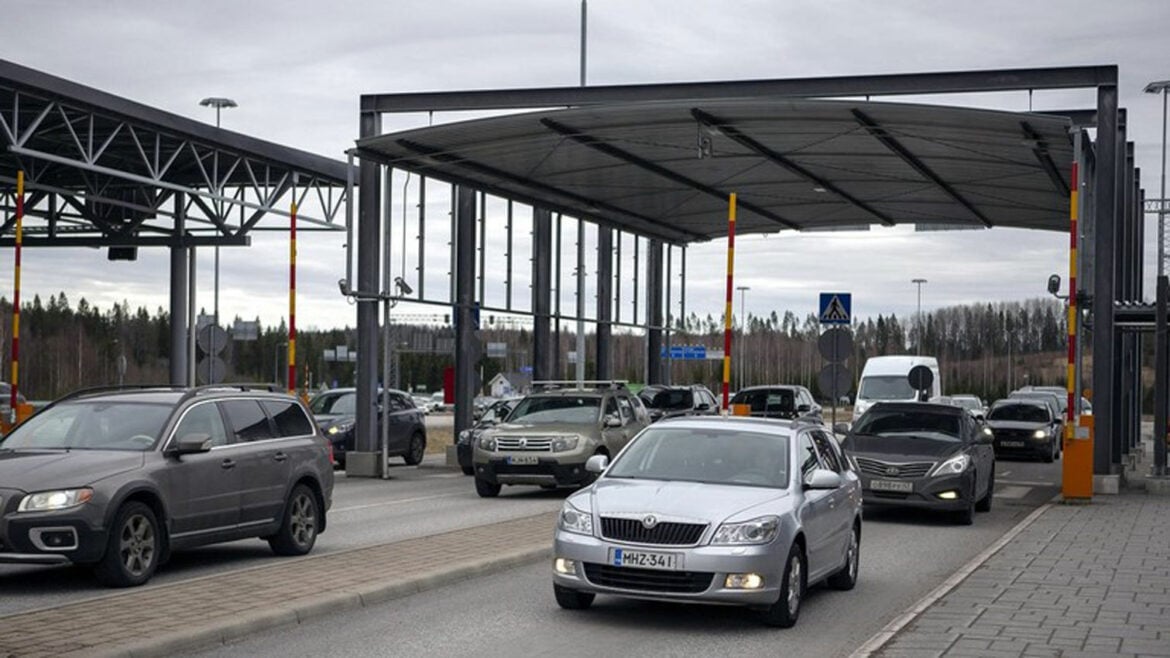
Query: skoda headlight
[[756, 531], [952, 466], [574, 520], [487, 442], [565, 443], [1040, 434], [47, 501]]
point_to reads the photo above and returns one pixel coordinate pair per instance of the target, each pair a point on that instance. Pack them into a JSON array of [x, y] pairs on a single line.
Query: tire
[[785, 611], [133, 548], [846, 578], [984, 503], [468, 470], [1050, 455], [417, 450], [486, 489], [571, 599], [298, 529]]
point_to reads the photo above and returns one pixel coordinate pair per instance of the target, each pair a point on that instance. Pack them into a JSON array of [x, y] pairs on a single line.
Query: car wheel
[[846, 578], [1050, 454], [132, 550], [571, 599], [486, 489], [468, 470], [966, 516], [984, 504], [785, 611], [298, 530], [416, 451]]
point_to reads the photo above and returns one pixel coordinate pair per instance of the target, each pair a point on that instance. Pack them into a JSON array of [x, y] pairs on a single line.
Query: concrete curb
[[882, 637], [202, 636]]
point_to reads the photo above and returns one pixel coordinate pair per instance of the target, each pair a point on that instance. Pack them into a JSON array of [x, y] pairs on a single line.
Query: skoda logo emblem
[[891, 470], [650, 521], [523, 443]]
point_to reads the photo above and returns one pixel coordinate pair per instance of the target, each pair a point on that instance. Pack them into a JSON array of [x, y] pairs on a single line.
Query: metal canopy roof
[[665, 169], [100, 170]]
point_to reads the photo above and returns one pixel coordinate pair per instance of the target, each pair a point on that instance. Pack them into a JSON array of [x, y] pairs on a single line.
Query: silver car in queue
[[717, 510]]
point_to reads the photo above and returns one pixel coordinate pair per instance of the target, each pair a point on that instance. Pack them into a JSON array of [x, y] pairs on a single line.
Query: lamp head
[[1157, 87], [216, 101]]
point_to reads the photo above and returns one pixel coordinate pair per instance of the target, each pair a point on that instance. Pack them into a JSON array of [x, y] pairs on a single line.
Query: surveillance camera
[[1054, 284], [344, 287], [403, 287]]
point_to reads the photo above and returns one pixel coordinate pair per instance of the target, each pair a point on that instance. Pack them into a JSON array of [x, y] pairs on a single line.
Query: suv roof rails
[[115, 387], [587, 383], [233, 386]]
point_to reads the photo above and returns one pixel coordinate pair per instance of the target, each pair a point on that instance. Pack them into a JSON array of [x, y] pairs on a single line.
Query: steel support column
[[466, 335], [604, 367], [368, 246], [1161, 378], [179, 299], [542, 365], [1104, 217], [654, 312]]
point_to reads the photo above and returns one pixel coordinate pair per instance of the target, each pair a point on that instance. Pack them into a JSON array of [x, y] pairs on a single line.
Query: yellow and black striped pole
[[727, 306], [16, 297], [292, 301]]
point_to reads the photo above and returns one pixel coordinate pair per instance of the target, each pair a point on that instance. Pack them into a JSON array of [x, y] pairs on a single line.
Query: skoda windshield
[[91, 425], [709, 456]]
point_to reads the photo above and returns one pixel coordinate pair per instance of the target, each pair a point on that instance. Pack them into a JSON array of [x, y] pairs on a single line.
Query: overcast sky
[[297, 69]]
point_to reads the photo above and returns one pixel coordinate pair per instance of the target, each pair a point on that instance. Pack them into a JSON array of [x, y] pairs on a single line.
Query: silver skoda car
[[713, 510]]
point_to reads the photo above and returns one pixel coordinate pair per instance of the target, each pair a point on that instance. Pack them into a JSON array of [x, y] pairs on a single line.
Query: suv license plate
[[1012, 444], [523, 460], [891, 485], [620, 557]]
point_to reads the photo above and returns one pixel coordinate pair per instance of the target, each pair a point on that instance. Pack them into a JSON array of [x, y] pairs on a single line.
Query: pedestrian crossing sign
[[836, 308]]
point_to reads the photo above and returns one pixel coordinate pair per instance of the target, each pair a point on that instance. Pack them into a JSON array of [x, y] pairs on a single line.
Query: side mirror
[[190, 444], [613, 421], [985, 436], [703, 407], [597, 464], [804, 408], [841, 428], [822, 478]]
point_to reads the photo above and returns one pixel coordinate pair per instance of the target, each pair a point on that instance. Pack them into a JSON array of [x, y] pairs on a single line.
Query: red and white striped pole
[[16, 296], [727, 306], [292, 301]]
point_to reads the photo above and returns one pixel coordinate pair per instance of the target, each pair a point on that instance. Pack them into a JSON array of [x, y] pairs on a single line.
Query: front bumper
[[706, 565], [50, 538], [925, 493], [547, 471]]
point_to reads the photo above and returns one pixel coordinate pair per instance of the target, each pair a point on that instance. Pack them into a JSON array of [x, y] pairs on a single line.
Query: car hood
[[1016, 425], [898, 448], [712, 503], [543, 429], [40, 470]]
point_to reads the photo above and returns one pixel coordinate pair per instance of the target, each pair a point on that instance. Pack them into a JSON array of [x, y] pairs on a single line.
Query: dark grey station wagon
[[117, 479]]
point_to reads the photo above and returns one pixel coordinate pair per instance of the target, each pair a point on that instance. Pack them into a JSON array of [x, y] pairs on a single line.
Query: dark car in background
[[670, 401], [336, 412], [1025, 427], [117, 479], [779, 401], [495, 414], [923, 455]]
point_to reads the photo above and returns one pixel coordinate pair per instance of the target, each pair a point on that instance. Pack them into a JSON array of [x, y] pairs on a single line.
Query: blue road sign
[[836, 308], [526, 369], [685, 352]]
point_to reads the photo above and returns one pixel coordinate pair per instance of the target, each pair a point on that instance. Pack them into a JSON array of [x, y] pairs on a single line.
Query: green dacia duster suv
[[551, 433]]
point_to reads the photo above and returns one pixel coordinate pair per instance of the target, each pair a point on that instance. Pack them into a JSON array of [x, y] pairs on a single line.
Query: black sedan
[[1025, 427], [930, 456], [671, 401]]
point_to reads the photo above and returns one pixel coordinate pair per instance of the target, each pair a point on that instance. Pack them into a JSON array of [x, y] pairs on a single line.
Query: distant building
[[512, 383]]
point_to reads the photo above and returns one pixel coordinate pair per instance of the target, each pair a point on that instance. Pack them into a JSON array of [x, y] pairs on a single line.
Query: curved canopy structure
[[666, 169]]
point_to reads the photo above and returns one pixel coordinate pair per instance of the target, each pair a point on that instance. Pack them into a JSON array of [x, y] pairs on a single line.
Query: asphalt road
[[904, 555]]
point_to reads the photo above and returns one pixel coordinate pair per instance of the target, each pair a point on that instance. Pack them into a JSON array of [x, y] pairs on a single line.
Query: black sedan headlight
[[340, 428]]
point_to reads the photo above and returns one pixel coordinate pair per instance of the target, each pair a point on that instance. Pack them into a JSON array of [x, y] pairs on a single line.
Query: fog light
[[565, 566], [949, 495], [743, 581]]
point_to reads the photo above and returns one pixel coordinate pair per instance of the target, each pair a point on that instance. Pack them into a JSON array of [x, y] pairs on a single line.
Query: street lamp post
[[742, 330], [218, 103], [1161, 86], [918, 343]]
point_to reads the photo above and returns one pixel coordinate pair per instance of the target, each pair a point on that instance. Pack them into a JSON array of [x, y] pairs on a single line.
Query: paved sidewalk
[[1081, 580], [158, 621]]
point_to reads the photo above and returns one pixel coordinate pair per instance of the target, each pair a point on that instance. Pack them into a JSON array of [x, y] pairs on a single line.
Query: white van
[[886, 379]]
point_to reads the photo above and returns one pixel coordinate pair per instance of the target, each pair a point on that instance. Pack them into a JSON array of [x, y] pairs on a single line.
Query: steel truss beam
[[1040, 150]]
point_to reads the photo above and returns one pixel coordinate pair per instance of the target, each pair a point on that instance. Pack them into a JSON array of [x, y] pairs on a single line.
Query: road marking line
[[1012, 492], [400, 501], [891, 629], [1027, 483]]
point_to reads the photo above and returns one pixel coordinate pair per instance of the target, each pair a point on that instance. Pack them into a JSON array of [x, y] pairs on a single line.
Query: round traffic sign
[[921, 378], [211, 339], [210, 370], [834, 380], [836, 344]]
